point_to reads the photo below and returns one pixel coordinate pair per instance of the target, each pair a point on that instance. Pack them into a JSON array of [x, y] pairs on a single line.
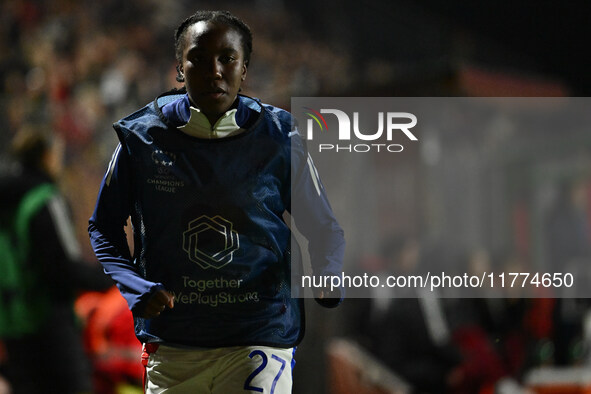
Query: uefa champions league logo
[[163, 158]]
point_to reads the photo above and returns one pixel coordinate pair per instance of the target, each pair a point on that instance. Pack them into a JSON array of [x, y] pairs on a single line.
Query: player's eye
[[196, 58], [225, 59]]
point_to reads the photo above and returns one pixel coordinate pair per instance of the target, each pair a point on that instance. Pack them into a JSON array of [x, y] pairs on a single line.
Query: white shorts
[[251, 369]]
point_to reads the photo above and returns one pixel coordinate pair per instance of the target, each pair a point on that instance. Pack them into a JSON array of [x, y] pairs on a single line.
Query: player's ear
[[244, 70], [180, 76]]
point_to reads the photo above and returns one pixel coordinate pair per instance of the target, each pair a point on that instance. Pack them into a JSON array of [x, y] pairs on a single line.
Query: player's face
[[213, 67]]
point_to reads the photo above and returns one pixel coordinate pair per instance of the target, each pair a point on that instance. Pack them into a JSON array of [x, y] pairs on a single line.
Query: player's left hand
[[322, 294], [328, 298]]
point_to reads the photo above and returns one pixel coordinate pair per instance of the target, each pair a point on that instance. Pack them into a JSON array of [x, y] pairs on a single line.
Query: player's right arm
[[108, 239]]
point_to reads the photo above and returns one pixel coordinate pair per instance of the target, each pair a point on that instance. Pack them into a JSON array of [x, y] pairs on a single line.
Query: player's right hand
[[157, 303]]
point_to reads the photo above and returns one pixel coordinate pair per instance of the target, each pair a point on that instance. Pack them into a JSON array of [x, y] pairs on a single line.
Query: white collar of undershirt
[[199, 126]]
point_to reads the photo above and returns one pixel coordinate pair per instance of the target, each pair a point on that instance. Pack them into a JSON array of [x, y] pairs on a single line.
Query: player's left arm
[[314, 217]]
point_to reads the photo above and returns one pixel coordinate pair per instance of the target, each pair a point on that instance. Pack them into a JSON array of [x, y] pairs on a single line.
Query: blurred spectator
[[407, 328], [46, 355], [500, 336], [110, 340], [568, 242]]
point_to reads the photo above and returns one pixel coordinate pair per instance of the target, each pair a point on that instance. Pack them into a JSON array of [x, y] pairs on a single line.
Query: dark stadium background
[[76, 66]]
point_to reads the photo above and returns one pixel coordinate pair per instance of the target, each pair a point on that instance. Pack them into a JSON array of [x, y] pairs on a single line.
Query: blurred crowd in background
[[74, 67]]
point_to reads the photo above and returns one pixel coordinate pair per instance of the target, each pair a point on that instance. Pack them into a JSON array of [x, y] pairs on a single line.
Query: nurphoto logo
[[389, 124]]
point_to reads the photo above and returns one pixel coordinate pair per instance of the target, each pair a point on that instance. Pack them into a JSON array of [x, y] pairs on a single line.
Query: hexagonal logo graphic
[[210, 241]]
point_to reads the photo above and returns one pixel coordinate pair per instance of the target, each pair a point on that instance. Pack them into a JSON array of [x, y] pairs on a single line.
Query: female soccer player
[[206, 175]]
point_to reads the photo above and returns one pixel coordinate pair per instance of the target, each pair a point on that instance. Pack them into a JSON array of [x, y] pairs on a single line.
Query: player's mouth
[[215, 93]]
